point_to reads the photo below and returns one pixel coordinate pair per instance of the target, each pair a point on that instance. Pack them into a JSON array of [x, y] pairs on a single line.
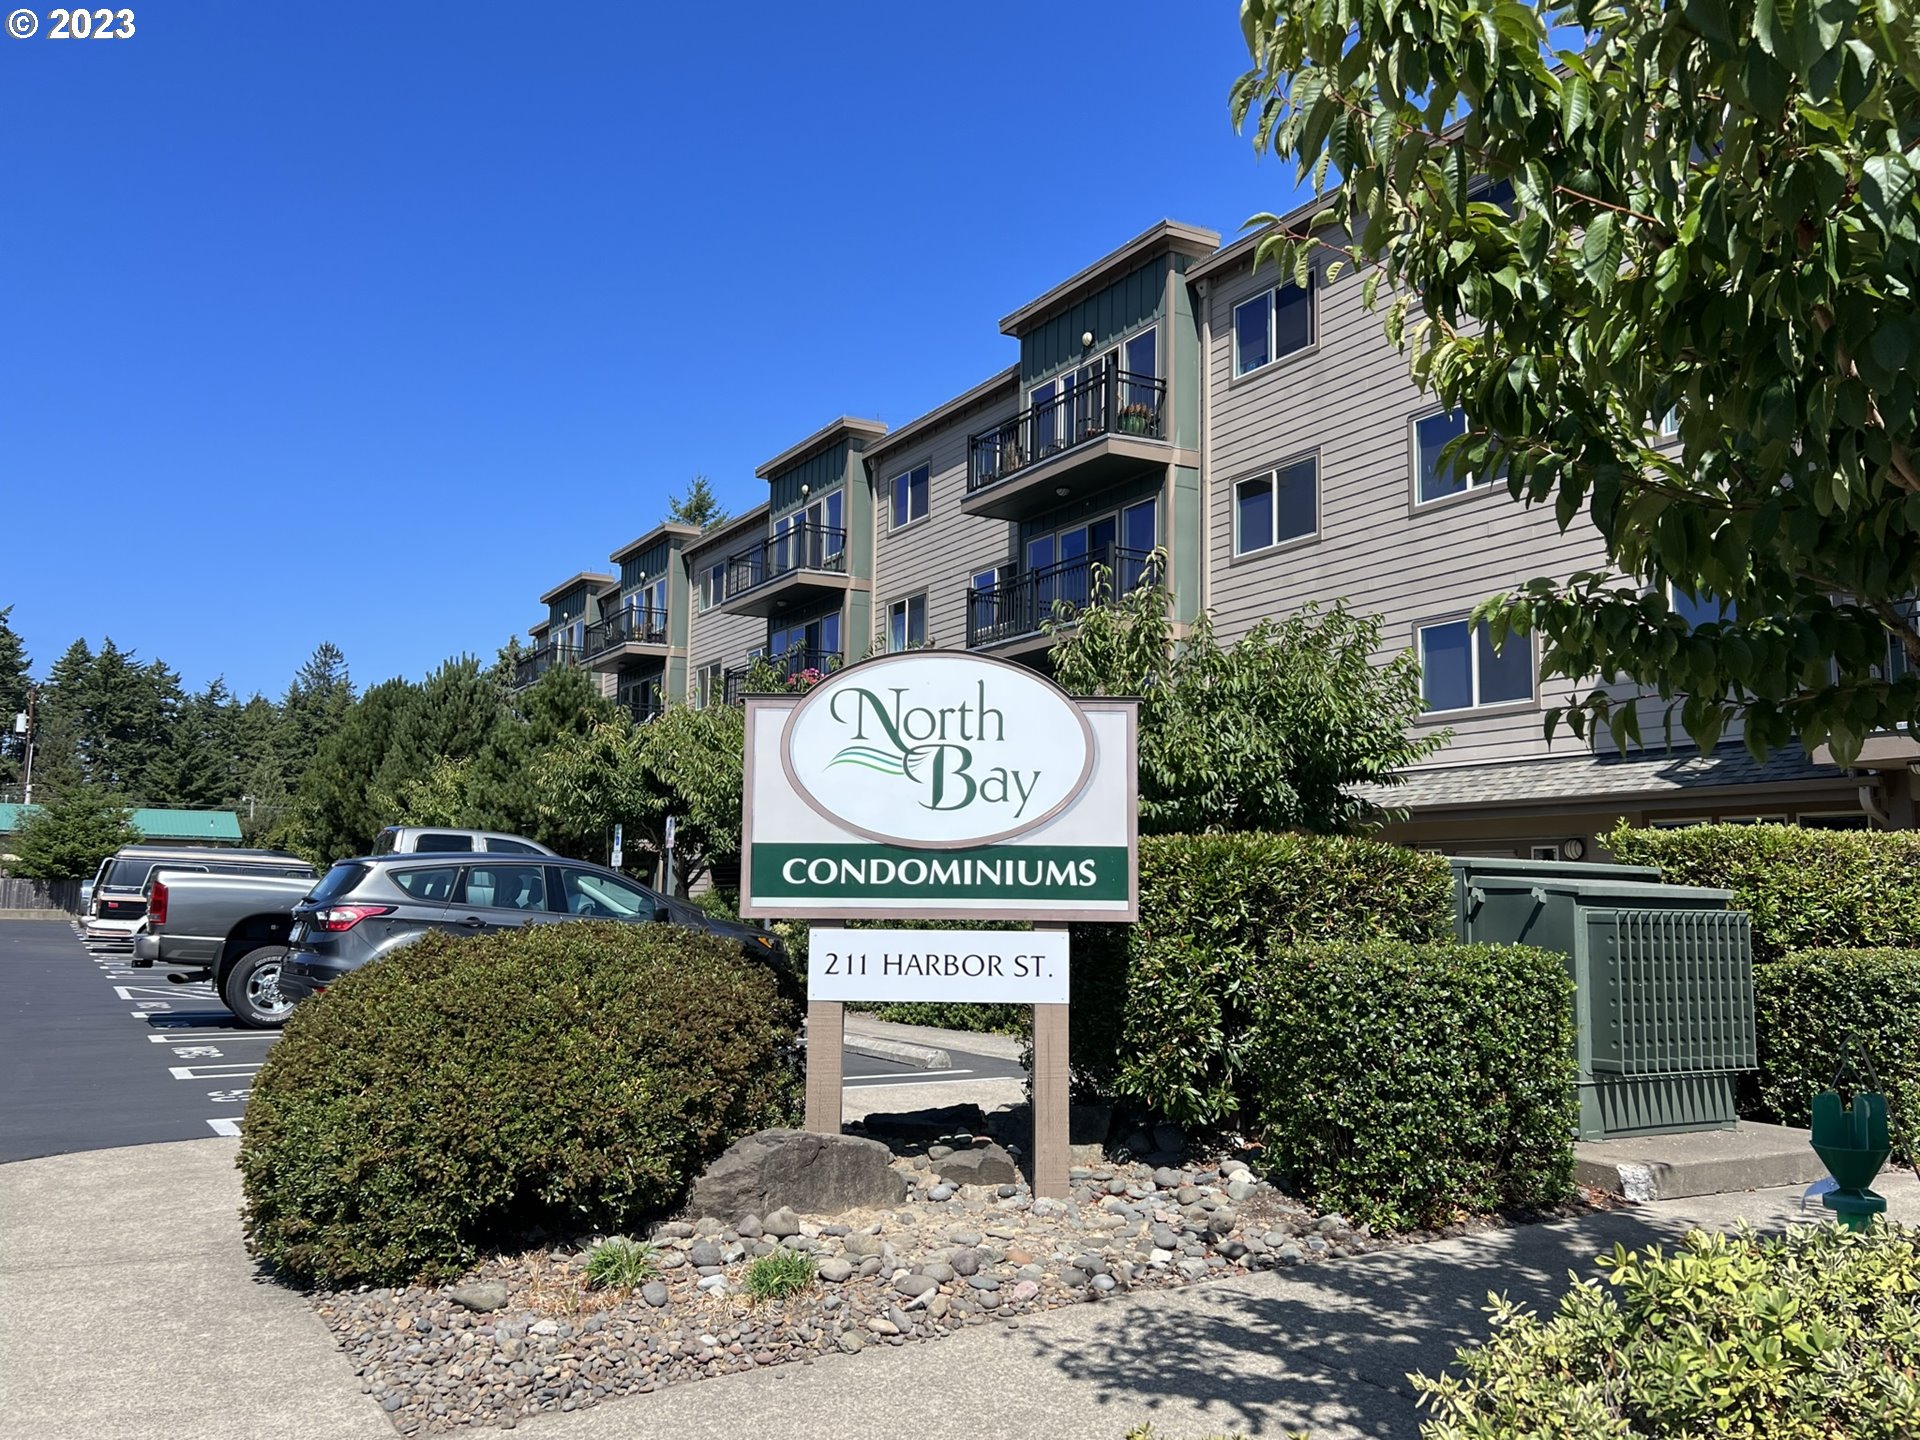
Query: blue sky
[[368, 323]]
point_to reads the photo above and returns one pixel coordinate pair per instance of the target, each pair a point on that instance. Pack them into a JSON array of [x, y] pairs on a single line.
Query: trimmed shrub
[[1402, 1084], [1162, 1010], [1806, 889], [1812, 1334], [1806, 1008], [464, 1094]]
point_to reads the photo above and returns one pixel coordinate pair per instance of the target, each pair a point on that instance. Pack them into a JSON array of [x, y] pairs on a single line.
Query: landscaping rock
[[800, 1169], [983, 1165], [934, 1123], [655, 1294], [481, 1297], [782, 1224]]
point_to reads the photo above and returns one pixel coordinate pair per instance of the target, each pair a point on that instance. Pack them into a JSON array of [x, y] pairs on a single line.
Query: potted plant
[[1137, 419]]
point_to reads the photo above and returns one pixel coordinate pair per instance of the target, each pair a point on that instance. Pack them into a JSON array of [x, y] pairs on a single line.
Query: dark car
[[363, 909]]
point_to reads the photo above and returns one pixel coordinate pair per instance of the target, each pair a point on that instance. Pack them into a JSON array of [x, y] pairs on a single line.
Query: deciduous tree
[[67, 838], [1704, 209]]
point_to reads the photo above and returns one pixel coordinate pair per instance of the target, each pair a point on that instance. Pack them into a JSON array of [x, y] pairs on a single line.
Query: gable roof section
[[1167, 235]]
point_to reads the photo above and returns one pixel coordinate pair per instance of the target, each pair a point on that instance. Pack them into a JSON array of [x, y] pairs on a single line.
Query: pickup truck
[[230, 929]]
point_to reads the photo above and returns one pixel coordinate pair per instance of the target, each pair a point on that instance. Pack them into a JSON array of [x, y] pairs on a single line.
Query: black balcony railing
[[1020, 603], [784, 671], [530, 668], [627, 626], [644, 705], [1108, 402], [800, 547]]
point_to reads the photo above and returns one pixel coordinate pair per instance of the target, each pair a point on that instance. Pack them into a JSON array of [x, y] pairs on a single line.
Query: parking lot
[[94, 1053]]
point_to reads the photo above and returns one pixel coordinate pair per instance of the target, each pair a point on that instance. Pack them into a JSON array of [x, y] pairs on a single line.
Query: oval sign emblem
[[937, 750]]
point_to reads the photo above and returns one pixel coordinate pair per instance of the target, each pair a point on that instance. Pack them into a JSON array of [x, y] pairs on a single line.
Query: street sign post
[[936, 785]]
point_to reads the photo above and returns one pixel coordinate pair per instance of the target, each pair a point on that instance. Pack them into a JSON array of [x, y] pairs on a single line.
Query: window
[[648, 605], [811, 644], [909, 497], [1273, 324], [433, 841], [707, 686], [593, 896], [1281, 505], [506, 887], [1141, 355], [430, 883], [713, 585], [1460, 671], [1435, 478], [809, 538], [907, 623], [497, 846], [1670, 423]]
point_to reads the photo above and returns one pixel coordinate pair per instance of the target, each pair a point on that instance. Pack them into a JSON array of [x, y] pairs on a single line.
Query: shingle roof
[[1588, 776], [155, 824]]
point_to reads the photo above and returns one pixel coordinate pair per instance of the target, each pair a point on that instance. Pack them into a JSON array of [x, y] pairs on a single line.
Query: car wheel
[[252, 989]]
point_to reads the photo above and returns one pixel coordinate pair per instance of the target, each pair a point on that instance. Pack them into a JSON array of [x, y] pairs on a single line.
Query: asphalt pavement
[[96, 1054]]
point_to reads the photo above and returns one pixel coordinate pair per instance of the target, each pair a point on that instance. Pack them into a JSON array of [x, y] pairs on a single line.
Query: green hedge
[[1162, 1010], [1812, 1335], [1808, 1005], [462, 1094], [1806, 889], [954, 1015], [1401, 1084]]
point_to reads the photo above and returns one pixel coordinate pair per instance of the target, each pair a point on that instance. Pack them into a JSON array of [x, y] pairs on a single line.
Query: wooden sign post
[[941, 785]]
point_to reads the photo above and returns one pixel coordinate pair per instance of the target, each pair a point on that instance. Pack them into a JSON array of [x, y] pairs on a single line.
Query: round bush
[[464, 1094], [1812, 1335]]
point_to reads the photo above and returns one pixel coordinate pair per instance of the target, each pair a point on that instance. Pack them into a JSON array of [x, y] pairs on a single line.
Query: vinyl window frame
[[1275, 543], [902, 610], [925, 470], [1270, 296], [1476, 485], [1476, 705]]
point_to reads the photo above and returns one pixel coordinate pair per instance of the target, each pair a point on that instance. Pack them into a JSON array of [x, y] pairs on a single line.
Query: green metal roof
[[158, 824]]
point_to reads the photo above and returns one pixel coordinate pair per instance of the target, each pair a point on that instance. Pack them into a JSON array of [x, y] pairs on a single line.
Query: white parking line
[[187, 1034], [227, 1071], [225, 1127]]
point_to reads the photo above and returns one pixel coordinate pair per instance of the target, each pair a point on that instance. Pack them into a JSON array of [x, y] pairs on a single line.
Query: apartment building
[[1171, 413]]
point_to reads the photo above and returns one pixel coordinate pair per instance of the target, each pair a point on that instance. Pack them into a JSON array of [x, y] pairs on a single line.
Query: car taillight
[[337, 919], [157, 904]]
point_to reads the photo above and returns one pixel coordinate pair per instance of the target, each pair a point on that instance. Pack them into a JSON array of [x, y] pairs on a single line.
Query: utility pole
[[23, 725]]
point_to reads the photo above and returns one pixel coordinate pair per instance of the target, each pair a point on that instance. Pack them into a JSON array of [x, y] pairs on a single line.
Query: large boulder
[[803, 1170], [983, 1165]]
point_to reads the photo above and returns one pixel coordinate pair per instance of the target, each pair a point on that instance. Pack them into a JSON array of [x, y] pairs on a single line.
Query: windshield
[[127, 874]]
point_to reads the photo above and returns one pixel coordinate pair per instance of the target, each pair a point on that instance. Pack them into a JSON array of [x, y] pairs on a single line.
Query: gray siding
[[1349, 400], [940, 553], [714, 635]]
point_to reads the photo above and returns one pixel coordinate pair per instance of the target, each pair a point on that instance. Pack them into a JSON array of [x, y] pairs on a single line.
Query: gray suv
[[363, 909]]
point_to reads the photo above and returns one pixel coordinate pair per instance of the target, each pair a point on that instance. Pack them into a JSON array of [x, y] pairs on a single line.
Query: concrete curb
[[1751, 1156], [35, 915], [923, 1057]]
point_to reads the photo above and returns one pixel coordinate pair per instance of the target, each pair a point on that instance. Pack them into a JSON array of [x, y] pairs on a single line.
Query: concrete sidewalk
[[128, 1309]]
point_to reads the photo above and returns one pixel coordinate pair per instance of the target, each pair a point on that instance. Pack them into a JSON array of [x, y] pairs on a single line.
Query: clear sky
[[369, 323]]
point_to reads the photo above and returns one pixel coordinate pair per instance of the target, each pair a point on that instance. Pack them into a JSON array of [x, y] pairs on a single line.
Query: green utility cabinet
[[1663, 984]]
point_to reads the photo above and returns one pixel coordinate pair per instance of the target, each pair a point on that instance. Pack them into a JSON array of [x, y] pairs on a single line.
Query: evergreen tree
[[14, 685], [698, 506], [315, 704], [59, 764], [502, 788], [198, 768], [67, 838], [335, 813]]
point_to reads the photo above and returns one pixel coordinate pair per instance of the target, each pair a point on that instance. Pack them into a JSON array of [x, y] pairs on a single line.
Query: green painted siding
[[1186, 558], [679, 610], [820, 474], [569, 607], [860, 515], [1180, 357], [651, 562], [1135, 299]]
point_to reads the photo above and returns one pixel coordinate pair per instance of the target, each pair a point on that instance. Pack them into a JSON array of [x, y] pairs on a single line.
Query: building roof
[[155, 824], [1242, 249], [662, 531], [1589, 778], [846, 427], [1008, 380], [1167, 235], [585, 577]]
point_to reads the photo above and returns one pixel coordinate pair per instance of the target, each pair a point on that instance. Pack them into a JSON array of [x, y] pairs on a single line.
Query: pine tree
[[698, 506], [59, 761], [315, 705], [14, 686], [334, 813], [502, 785], [67, 838]]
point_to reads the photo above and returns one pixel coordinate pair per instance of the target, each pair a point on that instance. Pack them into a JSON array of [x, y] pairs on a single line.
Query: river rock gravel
[[918, 1271]]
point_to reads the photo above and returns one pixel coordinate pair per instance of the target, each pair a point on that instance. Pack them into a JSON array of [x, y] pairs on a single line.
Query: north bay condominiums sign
[[943, 785]]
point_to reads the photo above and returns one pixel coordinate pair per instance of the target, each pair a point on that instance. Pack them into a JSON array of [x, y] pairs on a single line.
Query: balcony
[[1105, 428], [530, 668], [624, 635], [802, 563], [1016, 607], [783, 672], [649, 704]]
